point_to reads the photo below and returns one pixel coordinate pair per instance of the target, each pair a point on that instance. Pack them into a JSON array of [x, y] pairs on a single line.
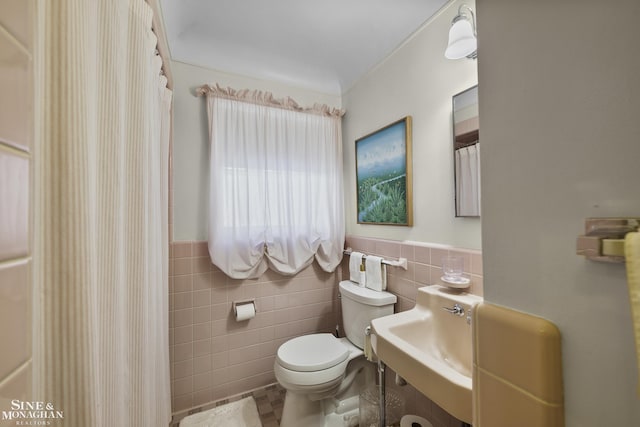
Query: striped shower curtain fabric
[[101, 351]]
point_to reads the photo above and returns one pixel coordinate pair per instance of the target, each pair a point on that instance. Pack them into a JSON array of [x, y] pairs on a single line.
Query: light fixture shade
[[462, 40]]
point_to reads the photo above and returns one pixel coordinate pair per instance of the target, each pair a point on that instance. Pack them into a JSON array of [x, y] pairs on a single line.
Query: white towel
[[355, 260], [376, 273]]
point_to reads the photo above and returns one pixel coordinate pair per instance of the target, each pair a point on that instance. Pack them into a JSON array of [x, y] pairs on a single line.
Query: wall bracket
[[604, 238]]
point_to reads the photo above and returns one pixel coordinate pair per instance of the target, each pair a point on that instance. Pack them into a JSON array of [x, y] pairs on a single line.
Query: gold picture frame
[[384, 189]]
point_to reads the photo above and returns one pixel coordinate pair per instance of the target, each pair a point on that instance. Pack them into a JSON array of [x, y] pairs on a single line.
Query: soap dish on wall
[[456, 282]]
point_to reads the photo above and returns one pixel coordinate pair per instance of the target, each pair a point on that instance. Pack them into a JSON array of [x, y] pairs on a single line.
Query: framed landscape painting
[[383, 175]]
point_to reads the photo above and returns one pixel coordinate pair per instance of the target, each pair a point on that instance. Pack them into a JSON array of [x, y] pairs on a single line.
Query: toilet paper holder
[[235, 305]]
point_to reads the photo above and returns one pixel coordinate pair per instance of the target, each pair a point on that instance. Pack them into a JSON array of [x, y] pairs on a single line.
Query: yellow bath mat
[[632, 255]]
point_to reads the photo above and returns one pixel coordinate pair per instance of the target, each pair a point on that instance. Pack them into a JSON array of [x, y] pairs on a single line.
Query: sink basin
[[431, 348]]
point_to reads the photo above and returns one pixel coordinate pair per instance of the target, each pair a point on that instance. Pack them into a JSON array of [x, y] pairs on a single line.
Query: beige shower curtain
[[101, 352]]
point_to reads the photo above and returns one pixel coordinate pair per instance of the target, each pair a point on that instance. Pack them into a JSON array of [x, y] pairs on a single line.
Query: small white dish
[[460, 282]]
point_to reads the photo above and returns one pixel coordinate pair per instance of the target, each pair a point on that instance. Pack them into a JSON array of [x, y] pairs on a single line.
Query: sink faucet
[[457, 310]]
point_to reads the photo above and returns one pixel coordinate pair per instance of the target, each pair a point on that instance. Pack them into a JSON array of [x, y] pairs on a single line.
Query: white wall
[[559, 104], [415, 80], [191, 144]]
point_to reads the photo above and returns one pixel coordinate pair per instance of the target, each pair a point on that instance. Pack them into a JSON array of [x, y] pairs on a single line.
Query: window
[[276, 190]]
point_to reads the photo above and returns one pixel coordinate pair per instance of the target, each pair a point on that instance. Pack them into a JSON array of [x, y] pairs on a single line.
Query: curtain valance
[[267, 99]]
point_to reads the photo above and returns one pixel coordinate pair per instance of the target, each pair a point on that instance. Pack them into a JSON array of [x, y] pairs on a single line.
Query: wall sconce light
[[462, 35]]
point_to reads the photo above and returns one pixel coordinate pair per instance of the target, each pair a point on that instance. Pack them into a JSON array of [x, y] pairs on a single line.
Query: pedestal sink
[[430, 346]]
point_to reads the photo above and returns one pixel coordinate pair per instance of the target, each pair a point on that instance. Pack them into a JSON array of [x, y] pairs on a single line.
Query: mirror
[[466, 153]]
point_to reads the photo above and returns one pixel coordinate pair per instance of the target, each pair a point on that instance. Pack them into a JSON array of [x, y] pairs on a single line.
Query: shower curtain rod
[[157, 26]]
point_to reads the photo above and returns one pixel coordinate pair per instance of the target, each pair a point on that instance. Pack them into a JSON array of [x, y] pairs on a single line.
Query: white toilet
[[324, 375]]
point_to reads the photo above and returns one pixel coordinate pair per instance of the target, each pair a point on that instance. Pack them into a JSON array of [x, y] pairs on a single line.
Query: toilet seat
[[300, 381], [311, 353], [313, 363]]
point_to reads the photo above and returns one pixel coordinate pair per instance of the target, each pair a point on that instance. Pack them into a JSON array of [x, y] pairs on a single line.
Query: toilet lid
[[312, 353]]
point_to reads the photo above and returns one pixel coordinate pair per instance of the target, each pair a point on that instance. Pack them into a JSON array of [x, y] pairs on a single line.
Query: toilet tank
[[360, 306]]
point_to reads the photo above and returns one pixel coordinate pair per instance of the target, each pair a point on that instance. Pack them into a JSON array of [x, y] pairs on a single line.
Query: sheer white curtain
[[468, 180], [101, 350], [276, 187]]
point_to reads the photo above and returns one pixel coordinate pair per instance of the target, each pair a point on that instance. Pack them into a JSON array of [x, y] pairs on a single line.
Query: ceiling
[[322, 45]]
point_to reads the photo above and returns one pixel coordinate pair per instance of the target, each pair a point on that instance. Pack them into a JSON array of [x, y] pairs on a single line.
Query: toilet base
[[339, 411], [300, 411]]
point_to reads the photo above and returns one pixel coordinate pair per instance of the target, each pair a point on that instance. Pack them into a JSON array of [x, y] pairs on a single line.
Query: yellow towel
[[632, 255]]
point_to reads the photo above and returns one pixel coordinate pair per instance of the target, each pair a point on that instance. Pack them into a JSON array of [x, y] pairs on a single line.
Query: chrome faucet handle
[[457, 310]]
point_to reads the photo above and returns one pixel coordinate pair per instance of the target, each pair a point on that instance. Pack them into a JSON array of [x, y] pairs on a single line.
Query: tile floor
[[269, 401]]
